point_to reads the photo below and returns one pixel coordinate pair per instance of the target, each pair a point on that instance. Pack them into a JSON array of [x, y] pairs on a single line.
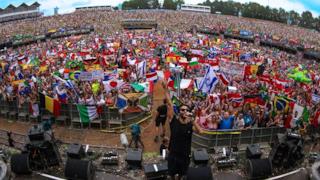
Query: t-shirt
[[135, 130], [162, 110], [180, 138], [226, 123]]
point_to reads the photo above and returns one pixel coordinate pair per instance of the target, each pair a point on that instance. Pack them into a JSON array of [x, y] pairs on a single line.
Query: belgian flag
[[50, 104]]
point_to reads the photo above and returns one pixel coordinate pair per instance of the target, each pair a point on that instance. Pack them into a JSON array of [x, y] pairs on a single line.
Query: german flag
[[50, 104]]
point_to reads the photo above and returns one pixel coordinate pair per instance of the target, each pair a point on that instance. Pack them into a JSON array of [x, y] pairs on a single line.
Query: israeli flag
[[209, 81]]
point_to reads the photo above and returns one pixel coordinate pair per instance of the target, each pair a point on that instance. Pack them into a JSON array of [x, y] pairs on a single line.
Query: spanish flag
[[50, 104]]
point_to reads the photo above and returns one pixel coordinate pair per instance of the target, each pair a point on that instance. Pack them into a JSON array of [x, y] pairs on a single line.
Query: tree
[[169, 4], [154, 4], [306, 19], [178, 3]]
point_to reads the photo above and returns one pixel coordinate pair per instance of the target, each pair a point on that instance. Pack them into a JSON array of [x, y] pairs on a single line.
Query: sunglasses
[[183, 109]]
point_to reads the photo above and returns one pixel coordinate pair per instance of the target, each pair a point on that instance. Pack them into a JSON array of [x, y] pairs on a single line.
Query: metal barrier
[[235, 138], [68, 114]]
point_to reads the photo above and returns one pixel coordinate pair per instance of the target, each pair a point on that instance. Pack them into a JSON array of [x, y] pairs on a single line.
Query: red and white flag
[[223, 79], [152, 76], [316, 120]]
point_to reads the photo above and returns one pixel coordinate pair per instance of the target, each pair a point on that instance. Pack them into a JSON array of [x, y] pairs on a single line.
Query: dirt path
[[96, 137]]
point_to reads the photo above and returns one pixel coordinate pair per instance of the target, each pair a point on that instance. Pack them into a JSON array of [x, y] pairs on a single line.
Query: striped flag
[[223, 78], [209, 81], [141, 69], [87, 113], [152, 76]]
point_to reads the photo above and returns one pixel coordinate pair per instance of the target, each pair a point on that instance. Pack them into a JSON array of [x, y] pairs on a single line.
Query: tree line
[[250, 10]]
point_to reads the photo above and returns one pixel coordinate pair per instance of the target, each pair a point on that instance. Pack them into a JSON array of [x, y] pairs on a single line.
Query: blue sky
[[66, 6]]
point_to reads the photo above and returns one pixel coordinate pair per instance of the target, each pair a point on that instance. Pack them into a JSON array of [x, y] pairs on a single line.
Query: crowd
[[110, 22], [253, 87]]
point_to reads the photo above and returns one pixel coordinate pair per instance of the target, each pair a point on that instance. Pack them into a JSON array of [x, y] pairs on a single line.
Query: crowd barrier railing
[[211, 139], [69, 115]]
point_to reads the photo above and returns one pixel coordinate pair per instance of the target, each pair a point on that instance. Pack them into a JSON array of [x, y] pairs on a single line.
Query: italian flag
[[87, 113]]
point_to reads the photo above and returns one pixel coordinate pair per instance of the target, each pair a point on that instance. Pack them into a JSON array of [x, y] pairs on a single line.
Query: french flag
[[223, 78], [153, 76]]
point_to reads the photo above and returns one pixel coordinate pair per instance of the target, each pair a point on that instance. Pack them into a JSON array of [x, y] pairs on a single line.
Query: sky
[[67, 6]]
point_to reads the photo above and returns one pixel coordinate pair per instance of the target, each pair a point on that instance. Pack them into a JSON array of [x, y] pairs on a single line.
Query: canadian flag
[[152, 76], [223, 78]]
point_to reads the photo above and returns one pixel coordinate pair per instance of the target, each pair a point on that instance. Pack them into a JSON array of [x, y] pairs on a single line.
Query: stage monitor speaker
[[203, 173], [75, 151], [134, 158], [200, 156], [156, 171], [76, 169], [20, 164], [259, 168], [253, 151]]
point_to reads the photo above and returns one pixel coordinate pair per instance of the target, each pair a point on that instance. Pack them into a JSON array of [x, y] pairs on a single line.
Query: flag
[[280, 83], [235, 98], [34, 109], [305, 114], [137, 87], [185, 83], [250, 70], [315, 98], [62, 95], [280, 104], [52, 105], [316, 119], [141, 69], [208, 81], [152, 76], [223, 79], [87, 113], [175, 100], [193, 62], [214, 98], [148, 86], [143, 102], [112, 84], [254, 100], [122, 102], [296, 114]]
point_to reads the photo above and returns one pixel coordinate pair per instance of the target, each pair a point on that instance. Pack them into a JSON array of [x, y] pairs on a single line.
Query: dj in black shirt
[[181, 127]]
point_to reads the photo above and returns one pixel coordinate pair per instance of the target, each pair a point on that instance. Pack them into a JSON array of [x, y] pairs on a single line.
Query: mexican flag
[[87, 113]]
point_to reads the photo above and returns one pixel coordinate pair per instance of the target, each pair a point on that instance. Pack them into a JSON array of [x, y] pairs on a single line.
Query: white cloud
[[66, 6]]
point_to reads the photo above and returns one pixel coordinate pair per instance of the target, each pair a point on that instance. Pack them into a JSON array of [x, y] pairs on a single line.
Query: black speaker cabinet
[[253, 151], [259, 168], [76, 169], [156, 171], [75, 151], [20, 164], [203, 173], [134, 158], [200, 156]]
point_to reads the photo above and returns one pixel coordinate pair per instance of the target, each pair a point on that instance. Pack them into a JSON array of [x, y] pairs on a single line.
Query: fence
[[69, 115], [235, 138]]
